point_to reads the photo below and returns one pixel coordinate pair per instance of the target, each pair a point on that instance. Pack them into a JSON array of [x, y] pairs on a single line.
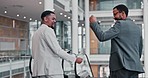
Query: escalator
[[82, 70], [75, 70]]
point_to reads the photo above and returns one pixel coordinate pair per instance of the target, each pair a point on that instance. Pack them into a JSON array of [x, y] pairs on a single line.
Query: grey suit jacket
[[47, 53], [126, 44]]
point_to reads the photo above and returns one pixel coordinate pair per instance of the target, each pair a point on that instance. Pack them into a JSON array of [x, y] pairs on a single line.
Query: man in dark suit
[[126, 44]]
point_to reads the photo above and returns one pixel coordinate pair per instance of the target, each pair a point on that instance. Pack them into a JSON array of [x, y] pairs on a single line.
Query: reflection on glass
[[96, 5], [104, 47], [97, 47], [103, 71], [63, 33]]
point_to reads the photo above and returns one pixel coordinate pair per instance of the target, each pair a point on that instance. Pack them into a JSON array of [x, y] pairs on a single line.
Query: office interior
[[19, 19]]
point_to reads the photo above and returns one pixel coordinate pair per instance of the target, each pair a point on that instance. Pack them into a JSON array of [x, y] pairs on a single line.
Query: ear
[[123, 15], [123, 12], [45, 19]]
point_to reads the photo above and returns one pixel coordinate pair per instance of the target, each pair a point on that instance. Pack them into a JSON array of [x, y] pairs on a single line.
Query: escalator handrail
[[30, 63], [88, 63]]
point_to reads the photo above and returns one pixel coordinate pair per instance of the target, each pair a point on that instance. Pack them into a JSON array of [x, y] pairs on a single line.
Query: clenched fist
[[92, 19], [79, 60]]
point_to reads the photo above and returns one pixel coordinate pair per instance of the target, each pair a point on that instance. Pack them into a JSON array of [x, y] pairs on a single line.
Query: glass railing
[[13, 55], [6, 74], [14, 65], [6, 59]]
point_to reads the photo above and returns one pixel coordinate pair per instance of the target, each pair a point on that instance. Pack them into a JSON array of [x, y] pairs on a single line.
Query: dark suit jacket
[[126, 44]]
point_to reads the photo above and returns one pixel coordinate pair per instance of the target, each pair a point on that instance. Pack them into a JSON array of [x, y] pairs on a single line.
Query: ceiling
[[28, 8]]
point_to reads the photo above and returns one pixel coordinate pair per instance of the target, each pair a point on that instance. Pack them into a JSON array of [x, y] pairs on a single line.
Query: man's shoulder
[[45, 27], [125, 21]]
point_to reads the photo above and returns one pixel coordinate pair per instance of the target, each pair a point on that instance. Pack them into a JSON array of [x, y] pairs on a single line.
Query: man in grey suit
[[126, 44], [46, 51]]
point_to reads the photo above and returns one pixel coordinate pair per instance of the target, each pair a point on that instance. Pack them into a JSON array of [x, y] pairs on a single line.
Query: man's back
[[43, 56], [126, 48], [47, 53]]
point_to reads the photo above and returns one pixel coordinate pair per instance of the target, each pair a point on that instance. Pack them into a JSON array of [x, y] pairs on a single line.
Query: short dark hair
[[45, 13], [121, 8]]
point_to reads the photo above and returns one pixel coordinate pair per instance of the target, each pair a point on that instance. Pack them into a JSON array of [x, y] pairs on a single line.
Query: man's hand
[[92, 19], [79, 60]]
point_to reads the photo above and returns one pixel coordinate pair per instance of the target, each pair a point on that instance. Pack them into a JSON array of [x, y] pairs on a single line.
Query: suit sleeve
[[53, 44], [107, 35]]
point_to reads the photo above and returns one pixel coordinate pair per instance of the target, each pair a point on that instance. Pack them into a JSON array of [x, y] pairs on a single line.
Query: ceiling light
[[5, 12], [24, 17], [17, 15], [82, 24], [61, 13], [30, 19], [68, 17], [13, 23], [65, 15], [40, 3]]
